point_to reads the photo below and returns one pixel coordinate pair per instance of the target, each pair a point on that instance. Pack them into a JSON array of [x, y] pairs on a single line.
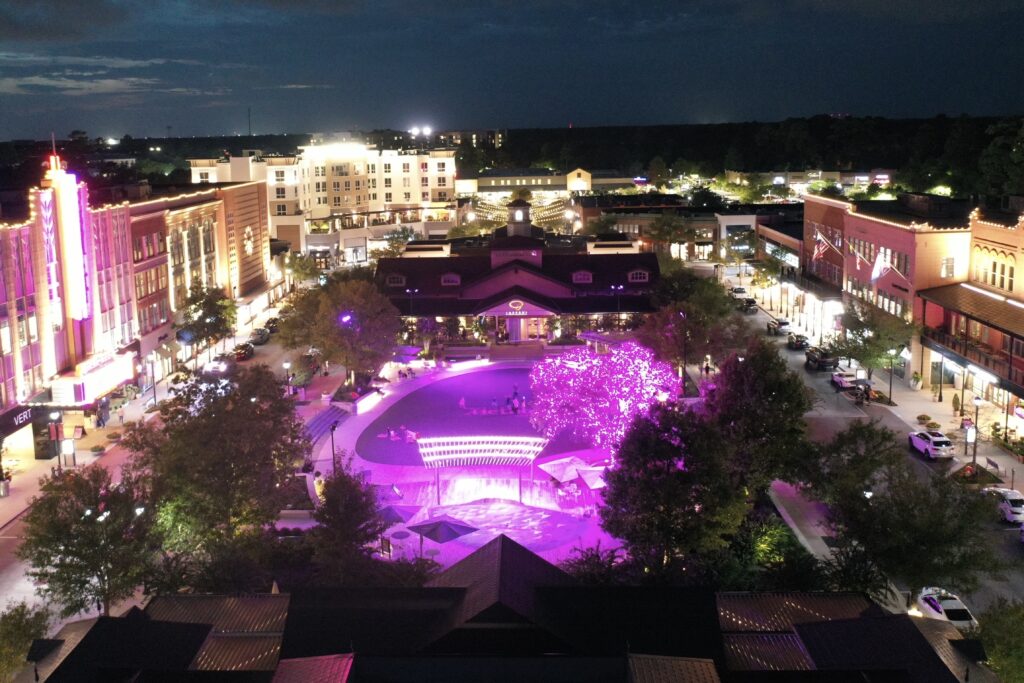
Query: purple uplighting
[[598, 396]]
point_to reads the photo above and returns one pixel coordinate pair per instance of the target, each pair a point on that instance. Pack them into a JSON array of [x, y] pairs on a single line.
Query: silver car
[[933, 445]]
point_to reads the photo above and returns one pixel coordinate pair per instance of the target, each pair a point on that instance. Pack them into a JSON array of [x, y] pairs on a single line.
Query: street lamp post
[[54, 416], [334, 451], [942, 374], [287, 365], [617, 290], [892, 363], [974, 455]]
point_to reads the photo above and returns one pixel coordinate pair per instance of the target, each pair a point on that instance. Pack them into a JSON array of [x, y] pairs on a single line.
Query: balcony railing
[[981, 355]]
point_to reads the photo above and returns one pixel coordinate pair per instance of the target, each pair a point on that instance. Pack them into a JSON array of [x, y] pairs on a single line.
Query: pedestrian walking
[[319, 485], [462, 403], [707, 369], [515, 406], [120, 415]]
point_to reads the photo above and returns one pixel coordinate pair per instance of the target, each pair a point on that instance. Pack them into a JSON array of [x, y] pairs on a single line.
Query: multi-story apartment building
[[88, 294], [476, 138], [314, 195]]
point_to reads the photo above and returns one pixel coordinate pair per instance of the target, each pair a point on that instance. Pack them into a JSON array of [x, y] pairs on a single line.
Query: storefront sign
[[14, 419], [517, 308]]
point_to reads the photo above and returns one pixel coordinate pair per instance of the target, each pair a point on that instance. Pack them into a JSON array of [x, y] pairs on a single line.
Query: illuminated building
[[517, 282], [882, 253], [87, 293], [973, 327], [474, 138], [315, 195]]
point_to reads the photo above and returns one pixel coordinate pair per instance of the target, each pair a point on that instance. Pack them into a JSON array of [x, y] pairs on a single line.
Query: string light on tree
[[598, 396]]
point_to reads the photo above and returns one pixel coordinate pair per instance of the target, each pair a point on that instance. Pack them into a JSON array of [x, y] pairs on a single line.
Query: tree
[[872, 336], [218, 456], [706, 198], [671, 497], [1001, 626], [1002, 162], [396, 241], [349, 522], [303, 267], [20, 624], [208, 316], [597, 396], [759, 405], [849, 464], [88, 540], [686, 332], [924, 532], [348, 321], [605, 224], [596, 566], [657, 172], [668, 229]]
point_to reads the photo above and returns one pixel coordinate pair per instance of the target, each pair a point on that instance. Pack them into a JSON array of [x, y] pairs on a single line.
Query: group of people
[[514, 404], [406, 374]]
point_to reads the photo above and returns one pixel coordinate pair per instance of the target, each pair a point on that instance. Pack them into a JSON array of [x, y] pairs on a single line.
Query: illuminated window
[[1009, 279], [639, 276], [395, 280], [947, 267], [451, 280], [519, 214]]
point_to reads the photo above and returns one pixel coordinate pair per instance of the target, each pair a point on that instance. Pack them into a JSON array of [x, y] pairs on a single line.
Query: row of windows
[[520, 181], [147, 246], [153, 316], [150, 282], [578, 277], [994, 274]]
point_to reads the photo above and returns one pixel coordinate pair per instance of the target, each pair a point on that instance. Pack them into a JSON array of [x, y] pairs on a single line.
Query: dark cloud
[[198, 65]]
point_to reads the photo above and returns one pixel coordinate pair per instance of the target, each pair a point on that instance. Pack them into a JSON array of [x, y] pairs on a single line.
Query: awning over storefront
[[994, 312]]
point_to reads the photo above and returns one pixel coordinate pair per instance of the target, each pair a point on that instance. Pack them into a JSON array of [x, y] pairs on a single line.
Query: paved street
[[834, 411]]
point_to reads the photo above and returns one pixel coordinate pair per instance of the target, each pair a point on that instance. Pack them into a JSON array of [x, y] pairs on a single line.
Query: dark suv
[[820, 359]]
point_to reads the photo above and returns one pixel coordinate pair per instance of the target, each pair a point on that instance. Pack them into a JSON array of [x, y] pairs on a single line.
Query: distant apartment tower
[[476, 138], [330, 186]]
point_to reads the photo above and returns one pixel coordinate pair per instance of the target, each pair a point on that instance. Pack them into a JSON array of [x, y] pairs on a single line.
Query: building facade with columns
[[88, 295]]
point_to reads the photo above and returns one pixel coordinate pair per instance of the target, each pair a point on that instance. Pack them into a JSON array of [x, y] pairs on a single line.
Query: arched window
[[582, 277], [395, 280], [639, 276]]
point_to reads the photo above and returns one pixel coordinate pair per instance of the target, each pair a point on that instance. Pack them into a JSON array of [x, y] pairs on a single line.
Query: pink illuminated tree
[[598, 395]]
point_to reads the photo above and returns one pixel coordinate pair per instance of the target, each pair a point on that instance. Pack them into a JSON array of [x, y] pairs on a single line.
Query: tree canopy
[[218, 455], [208, 315], [759, 405], [924, 532], [347, 321], [597, 396], [671, 496], [88, 540], [872, 337], [20, 624]]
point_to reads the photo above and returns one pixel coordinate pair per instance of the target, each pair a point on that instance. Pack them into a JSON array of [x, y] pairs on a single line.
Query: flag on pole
[[882, 266], [820, 246]]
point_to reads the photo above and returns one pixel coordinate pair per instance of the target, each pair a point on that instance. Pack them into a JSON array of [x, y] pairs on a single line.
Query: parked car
[[778, 326], [259, 336], [244, 351], [222, 365], [844, 379], [1011, 503], [933, 445], [797, 341], [937, 603], [820, 359], [271, 324], [738, 292], [747, 305]]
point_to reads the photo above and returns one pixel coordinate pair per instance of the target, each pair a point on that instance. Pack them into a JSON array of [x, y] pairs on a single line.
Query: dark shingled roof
[[994, 313], [227, 614], [745, 612], [888, 643], [765, 652], [659, 669], [129, 645], [327, 669]]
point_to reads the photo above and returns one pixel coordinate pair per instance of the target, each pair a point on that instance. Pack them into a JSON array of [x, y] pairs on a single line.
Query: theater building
[[516, 285]]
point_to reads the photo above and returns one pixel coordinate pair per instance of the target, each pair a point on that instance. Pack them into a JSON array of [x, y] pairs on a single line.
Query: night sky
[[114, 67]]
